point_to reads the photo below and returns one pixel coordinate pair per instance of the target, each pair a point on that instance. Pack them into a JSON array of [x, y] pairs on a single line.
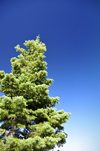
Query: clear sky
[[71, 31]]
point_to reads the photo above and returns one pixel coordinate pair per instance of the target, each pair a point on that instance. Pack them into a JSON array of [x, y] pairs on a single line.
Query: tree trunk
[[12, 132]]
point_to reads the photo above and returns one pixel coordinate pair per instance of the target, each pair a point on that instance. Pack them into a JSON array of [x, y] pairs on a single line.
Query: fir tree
[[29, 123]]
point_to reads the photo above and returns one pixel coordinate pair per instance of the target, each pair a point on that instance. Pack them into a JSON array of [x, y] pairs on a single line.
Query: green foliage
[[29, 121]]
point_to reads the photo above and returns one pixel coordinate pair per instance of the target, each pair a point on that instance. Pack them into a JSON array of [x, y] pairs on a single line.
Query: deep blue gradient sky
[[71, 31]]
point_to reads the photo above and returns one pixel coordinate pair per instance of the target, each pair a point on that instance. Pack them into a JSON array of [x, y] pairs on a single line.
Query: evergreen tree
[[29, 123]]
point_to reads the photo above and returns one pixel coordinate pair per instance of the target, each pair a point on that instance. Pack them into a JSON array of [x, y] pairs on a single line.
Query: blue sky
[[71, 31]]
